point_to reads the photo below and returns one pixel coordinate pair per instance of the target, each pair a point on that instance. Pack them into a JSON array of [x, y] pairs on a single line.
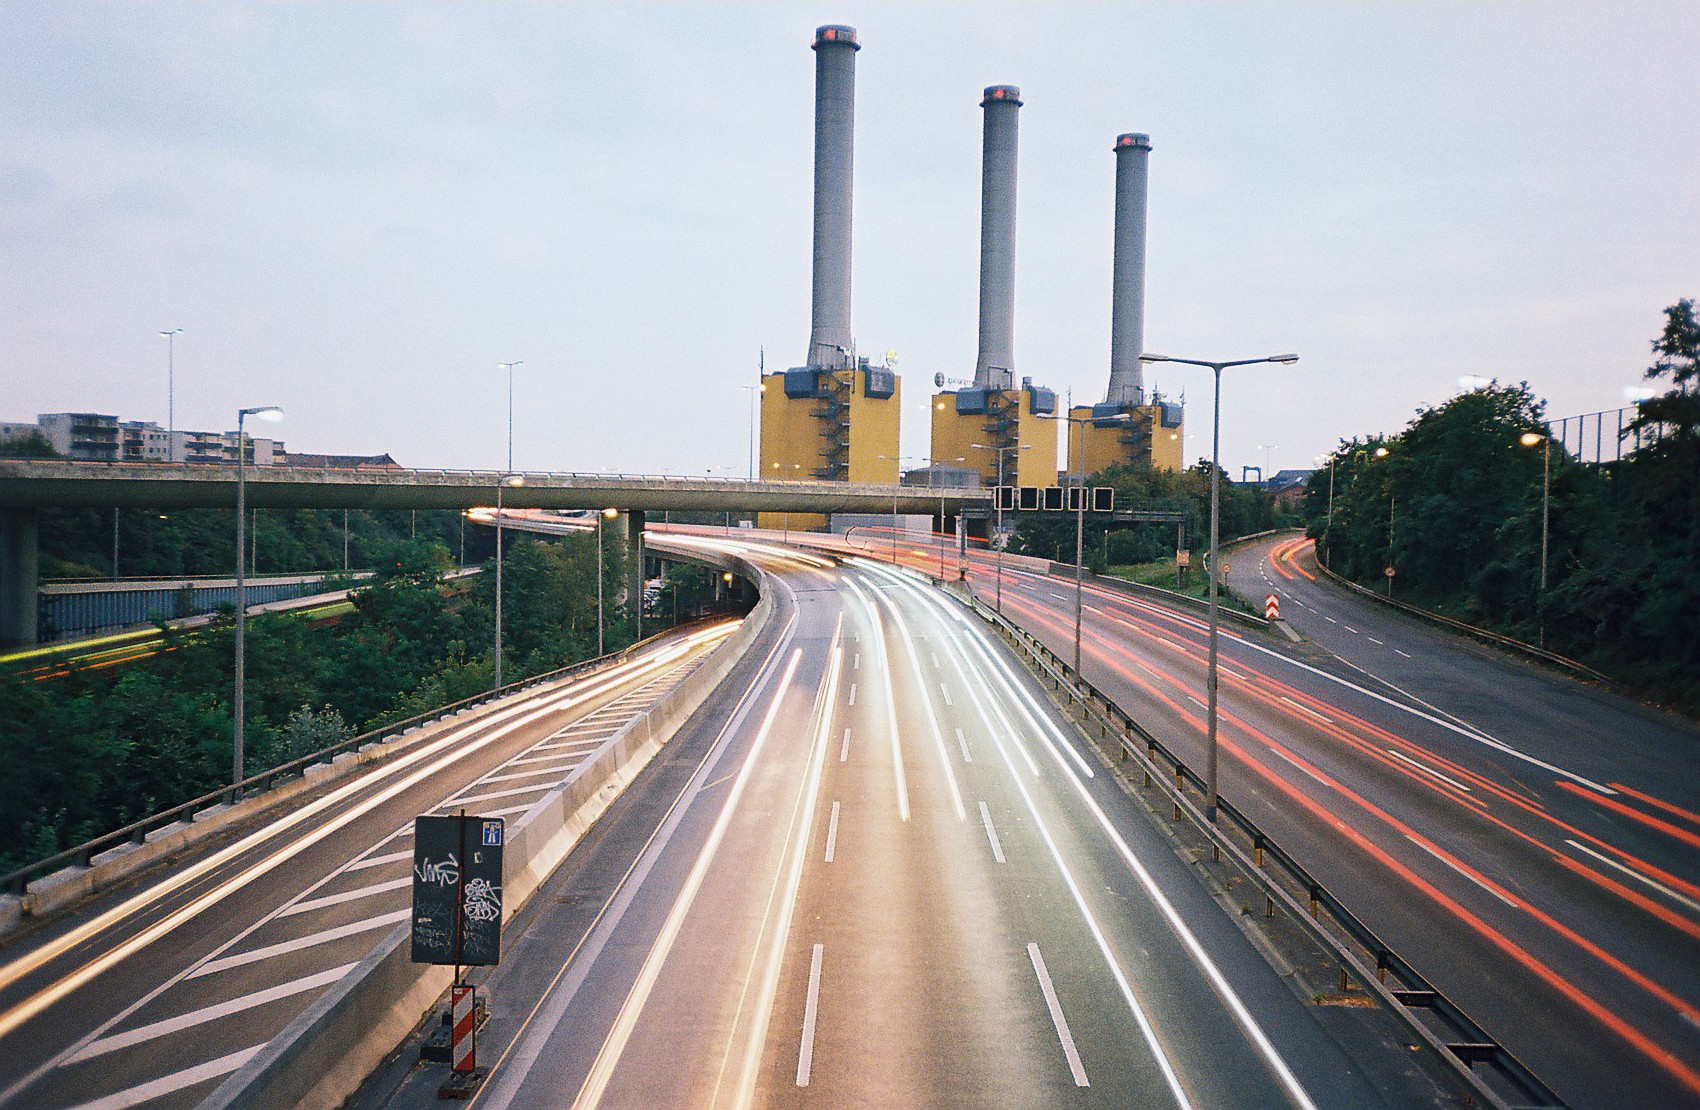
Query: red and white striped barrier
[[465, 1012]]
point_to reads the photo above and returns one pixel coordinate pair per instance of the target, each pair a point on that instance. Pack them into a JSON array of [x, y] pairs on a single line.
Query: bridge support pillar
[[634, 568], [20, 577]]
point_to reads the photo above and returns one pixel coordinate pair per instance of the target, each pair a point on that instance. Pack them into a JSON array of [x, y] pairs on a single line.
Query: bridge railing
[[1457, 1041], [17, 882]]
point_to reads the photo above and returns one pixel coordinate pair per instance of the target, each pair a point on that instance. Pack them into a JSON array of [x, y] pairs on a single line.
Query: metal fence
[[71, 609], [1598, 437]]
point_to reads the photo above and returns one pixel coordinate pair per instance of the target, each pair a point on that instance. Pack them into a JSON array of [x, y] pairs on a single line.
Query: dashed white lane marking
[[844, 752], [856, 661], [935, 656], [1350, 629], [176, 1081], [945, 690], [1057, 1019], [1306, 710], [963, 742], [811, 1008], [379, 861], [1059, 597], [991, 833], [1461, 871], [1196, 702], [852, 693], [1427, 770], [144, 1033], [1632, 873], [213, 967], [1329, 619], [312, 904], [1406, 654], [1373, 640], [832, 833]]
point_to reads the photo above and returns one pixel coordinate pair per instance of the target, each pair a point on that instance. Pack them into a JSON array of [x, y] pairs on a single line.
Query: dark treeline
[[1245, 509], [98, 748], [1453, 505]]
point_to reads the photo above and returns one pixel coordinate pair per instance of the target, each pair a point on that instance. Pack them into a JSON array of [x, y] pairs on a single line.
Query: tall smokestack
[[835, 131], [1127, 298], [996, 366]]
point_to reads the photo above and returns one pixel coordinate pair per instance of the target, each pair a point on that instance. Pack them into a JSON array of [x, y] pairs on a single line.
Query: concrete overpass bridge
[[29, 485]]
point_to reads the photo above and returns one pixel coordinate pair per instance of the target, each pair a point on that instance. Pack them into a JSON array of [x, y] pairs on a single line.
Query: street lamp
[[509, 367], [1215, 530], [933, 464], [784, 517], [1529, 439], [997, 512], [1080, 514], [264, 412], [171, 392], [899, 460], [601, 620], [505, 481], [754, 391]]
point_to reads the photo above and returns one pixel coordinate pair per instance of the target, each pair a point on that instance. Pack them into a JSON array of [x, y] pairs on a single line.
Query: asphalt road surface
[[878, 869]]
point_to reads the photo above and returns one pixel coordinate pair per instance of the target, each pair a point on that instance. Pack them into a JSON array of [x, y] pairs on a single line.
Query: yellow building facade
[[828, 425], [1022, 419], [1154, 437]]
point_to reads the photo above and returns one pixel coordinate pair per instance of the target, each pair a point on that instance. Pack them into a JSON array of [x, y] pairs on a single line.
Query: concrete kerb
[[53, 893], [328, 1050]]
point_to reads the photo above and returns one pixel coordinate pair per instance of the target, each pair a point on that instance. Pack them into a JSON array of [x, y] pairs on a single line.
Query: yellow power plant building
[[1134, 435], [980, 426], [828, 425]]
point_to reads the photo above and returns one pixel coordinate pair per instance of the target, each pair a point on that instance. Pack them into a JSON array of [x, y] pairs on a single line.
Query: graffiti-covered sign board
[[457, 890]]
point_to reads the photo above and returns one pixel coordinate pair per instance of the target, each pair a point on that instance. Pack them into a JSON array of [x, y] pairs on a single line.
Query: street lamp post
[[264, 412], [1080, 517], [899, 460], [754, 391], [997, 513], [506, 480], [601, 619], [509, 367], [1529, 439], [1210, 746], [171, 392]]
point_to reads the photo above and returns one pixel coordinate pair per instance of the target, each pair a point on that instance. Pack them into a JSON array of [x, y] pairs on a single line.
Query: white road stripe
[[811, 1009], [510, 792], [852, 693], [1452, 782], [1057, 1019], [1373, 640], [189, 1020], [945, 690], [1330, 620], [1461, 871], [1306, 710], [507, 811], [536, 759], [176, 1081], [1350, 629], [832, 833], [844, 752], [556, 769], [991, 833], [1406, 654], [285, 947], [379, 861], [856, 661], [962, 741], [1634, 874], [312, 904]]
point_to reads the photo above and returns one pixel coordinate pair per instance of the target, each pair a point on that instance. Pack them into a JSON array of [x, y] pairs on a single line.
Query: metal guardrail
[[1456, 1040], [137, 832]]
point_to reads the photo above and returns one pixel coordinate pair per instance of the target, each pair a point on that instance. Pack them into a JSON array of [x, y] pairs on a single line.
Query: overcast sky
[[357, 210]]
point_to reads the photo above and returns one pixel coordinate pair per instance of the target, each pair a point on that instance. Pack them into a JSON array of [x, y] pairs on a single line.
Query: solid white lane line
[[806, 1053], [312, 904], [832, 833], [1305, 709], [176, 1081], [844, 752], [379, 861], [283, 948], [945, 690], [1075, 1067], [962, 742], [1634, 874], [177, 1024], [1427, 770], [1459, 868], [991, 833]]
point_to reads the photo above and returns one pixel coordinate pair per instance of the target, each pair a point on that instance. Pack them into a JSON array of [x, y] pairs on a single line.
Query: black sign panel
[[1103, 499], [1053, 498], [457, 863]]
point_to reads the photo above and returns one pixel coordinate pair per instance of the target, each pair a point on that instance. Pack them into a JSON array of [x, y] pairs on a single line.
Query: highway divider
[[324, 1055], [1452, 1038]]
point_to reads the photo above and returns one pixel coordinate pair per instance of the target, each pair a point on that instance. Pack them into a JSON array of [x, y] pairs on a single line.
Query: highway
[[152, 993], [1532, 845], [878, 869]]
